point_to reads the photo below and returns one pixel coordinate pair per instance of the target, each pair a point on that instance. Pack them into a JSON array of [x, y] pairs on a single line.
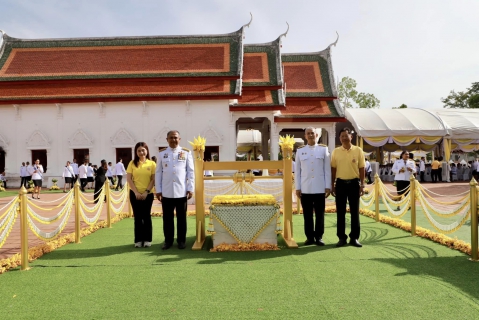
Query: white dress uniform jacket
[[109, 173], [75, 168], [82, 172], [30, 170], [313, 169], [67, 172], [120, 169], [403, 176], [89, 171], [23, 171], [175, 172], [422, 166], [39, 174]]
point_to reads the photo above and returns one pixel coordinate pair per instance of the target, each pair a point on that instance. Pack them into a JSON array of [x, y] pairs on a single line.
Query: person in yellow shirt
[[435, 170], [347, 176], [141, 179]]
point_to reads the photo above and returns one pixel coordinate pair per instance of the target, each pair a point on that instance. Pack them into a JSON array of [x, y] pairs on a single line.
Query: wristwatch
[[147, 191]]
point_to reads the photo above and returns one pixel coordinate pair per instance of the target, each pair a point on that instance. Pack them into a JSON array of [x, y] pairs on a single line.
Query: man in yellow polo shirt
[[435, 170], [347, 173]]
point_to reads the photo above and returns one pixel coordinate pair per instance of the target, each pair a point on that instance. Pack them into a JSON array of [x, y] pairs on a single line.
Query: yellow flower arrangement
[[244, 247], [244, 200], [422, 232], [198, 144], [54, 186]]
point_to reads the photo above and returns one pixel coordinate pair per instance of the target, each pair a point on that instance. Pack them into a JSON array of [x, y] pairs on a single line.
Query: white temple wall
[[102, 127]]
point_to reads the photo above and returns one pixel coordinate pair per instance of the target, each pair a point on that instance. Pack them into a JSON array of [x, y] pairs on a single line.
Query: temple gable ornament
[[80, 140], [160, 138], [122, 138], [38, 140], [213, 138]]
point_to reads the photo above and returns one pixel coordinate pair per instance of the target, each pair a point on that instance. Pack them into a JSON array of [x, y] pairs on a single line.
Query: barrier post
[[108, 202], [474, 236], [22, 198], [413, 204], [376, 196], [77, 211], [199, 199], [288, 197]]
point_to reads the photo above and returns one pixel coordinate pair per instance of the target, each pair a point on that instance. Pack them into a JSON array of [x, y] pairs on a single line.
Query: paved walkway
[[12, 245]]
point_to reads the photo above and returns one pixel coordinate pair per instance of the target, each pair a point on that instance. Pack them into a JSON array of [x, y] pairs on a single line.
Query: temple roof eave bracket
[[251, 20]]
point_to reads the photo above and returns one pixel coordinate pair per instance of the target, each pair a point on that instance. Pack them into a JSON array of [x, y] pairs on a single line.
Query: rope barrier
[[442, 195], [400, 213], [423, 190], [447, 228], [46, 236], [445, 214], [47, 202], [48, 220], [92, 221], [10, 204], [30, 202], [8, 223]]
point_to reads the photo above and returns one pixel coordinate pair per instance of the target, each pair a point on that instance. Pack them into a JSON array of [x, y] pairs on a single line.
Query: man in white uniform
[[174, 184], [313, 185], [74, 166], [119, 171], [82, 171]]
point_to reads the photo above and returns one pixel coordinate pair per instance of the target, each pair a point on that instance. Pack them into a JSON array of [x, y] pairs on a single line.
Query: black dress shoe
[[308, 242], [355, 243], [320, 242], [166, 246], [341, 243], [181, 245]]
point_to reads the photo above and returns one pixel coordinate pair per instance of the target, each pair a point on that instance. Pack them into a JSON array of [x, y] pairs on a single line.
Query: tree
[[403, 106], [367, 101], [468, 99], [347, 91], [348, 94]]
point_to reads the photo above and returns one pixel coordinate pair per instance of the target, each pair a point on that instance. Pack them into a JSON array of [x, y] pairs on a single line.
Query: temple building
[[95, 98]]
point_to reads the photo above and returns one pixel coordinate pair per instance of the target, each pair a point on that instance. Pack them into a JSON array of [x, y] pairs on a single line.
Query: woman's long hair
[[137, 159], [403, 153]]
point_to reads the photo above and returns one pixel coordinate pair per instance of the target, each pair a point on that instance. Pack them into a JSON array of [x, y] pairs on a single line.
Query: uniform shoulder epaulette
[[162, 149], [301, 147], [322, 145], [186, 149]]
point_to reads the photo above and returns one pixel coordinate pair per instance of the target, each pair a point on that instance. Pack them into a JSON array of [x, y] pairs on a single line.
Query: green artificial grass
[[394, 276]]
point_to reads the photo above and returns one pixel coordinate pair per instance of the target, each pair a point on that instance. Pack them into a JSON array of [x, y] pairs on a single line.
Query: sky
[[403, 52]]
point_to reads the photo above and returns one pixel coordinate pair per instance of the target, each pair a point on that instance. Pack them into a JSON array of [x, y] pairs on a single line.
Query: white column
[[331, 137], [231, 154], [274, 136]]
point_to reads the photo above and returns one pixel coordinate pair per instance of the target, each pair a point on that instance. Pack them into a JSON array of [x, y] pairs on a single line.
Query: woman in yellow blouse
[[141, 178]]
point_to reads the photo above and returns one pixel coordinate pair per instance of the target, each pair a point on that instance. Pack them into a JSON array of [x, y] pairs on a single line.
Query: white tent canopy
[[460, 123], [396, 122]]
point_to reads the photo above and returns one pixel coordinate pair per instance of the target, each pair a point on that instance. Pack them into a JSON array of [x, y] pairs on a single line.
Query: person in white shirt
[[119, 171], [109, 172], [208, 173], [75, 170], [475, 169], [82, 170], [89, 176], [3, 180], [37, 176], [23, 175], [29, 169], [403, 169], [68, 175], [368, 171], [422, 169]]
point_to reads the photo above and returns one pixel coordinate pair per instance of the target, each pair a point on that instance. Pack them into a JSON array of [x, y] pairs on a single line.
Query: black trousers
[[23, 182], [98, 185], [368, 176], [142, 217], [316, 202], [111, 180], [401, 185], [434, 175], [120, 184], [169, 205], [83, 183], [421, 174], [439, 174], [347, 191]]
